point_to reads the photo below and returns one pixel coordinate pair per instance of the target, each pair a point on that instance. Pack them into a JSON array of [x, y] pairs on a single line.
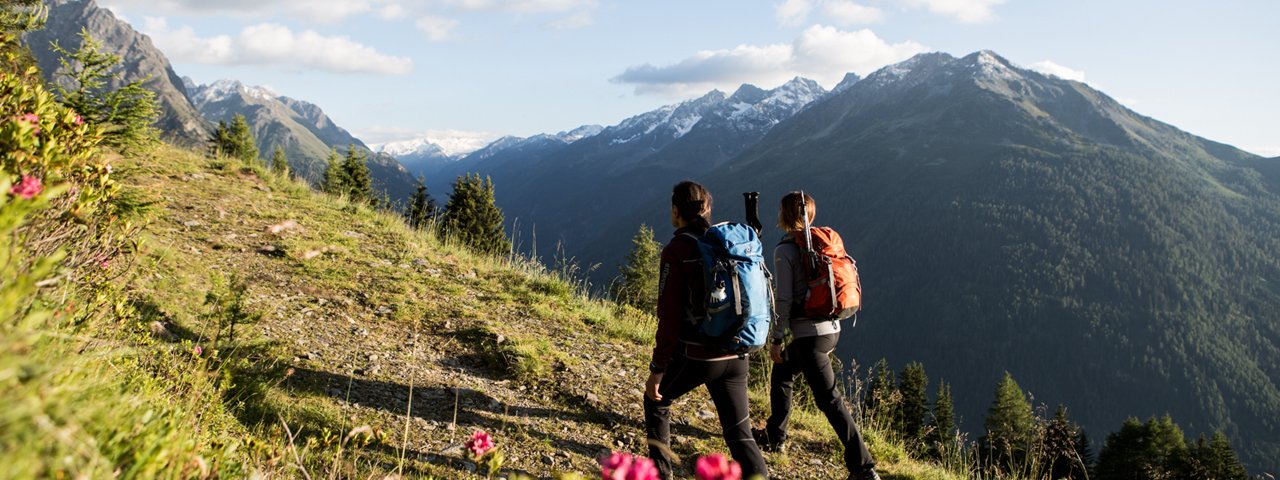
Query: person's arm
[[672, 293]]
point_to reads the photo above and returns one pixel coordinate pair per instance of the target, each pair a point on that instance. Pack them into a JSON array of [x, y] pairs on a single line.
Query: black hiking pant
[[726, 381], [809, 356]]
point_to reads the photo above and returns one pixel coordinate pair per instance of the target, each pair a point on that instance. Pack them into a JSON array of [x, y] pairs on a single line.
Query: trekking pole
[[753, 210], [811, 256]]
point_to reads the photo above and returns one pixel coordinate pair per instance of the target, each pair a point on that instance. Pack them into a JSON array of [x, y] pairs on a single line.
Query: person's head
[[690, 205], [789, 219]]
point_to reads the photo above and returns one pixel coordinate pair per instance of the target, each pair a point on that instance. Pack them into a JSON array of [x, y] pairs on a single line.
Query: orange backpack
[[835, 291]]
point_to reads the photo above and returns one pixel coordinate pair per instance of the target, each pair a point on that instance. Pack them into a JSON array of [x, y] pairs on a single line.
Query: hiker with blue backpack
[[714, 308], [817, 287]]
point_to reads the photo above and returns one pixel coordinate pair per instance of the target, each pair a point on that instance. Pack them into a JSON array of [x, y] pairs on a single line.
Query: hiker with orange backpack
[[816, 287], [713, 311]]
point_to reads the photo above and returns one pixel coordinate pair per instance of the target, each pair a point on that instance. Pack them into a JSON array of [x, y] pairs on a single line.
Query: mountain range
[[189, 110], [1003, 220], [611, 171]]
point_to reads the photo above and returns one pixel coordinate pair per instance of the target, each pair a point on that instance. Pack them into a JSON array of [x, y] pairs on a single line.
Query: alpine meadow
[[1017, 275]]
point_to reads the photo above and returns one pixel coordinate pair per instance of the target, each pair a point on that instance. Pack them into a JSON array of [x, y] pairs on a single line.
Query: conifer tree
[[472, 217], [220, 140], [638, 282], [279, 163], [1060, 451], [878, 402], [912, 383], [1156, 449], [125, 113], [335, 180], [1010, 426], [241, 142], [422, 208], [943, 424], [1214, 460], [355, 172]]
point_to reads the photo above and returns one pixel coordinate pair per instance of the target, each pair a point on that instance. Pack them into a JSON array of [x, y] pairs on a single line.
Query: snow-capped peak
[[224, 89], [452, 146]]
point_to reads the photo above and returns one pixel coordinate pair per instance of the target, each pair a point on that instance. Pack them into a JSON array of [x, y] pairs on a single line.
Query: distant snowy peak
[[222, 90], [580, 133], [446, 146], [848, 81]]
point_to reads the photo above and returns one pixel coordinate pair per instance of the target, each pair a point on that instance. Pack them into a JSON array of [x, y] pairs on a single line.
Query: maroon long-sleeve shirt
[[681, 295]]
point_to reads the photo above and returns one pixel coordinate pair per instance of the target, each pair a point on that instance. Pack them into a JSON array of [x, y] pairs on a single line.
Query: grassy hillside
[[263, 328]]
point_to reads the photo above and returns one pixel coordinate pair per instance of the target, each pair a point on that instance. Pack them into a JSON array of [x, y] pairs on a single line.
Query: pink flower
[[79, 120], [623, 466], [717, 467], [27, 188], [104, 264], [643, 469], [197, 351], [31, 118], [480, 443]]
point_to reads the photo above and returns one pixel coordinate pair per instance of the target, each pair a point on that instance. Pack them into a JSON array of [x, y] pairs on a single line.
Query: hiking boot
[[868, 474], [767, 444]]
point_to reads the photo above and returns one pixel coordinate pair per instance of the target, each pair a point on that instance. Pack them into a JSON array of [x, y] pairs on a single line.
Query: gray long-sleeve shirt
[[789, 288]]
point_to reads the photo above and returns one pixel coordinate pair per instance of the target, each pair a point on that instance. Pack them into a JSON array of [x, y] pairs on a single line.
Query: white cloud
[[435, 28], [524, 6], [325, 11], [845, 12], [578, 20], [967, 11], [792, 12], [392, 11], [1051, 68], [822, 53], [274, 45]]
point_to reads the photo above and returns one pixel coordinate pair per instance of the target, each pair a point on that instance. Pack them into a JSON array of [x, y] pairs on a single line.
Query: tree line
[[1021, 441]]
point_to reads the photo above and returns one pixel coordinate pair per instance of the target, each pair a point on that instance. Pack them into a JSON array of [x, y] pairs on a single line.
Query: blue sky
[[401, 69]]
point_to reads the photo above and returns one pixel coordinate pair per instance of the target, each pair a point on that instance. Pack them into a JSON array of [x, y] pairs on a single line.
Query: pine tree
[[241, 143], [279, 163], [220, 140], [422, 208], [942, 429], [1010, 426], [359, 184], [1214, 460], [1154, 450], [472, 217], [879, 406], [125, 113], [335, 180], [1060, 449], [912, 383], [638, 282]]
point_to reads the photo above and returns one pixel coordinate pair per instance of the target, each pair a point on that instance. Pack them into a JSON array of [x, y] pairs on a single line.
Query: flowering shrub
[[480, 443], [718, 467], [623, 466], [484, 452], [71, 209]]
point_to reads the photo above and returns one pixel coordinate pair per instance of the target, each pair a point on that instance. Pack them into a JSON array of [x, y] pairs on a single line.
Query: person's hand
[[651, 387], [775, 352]]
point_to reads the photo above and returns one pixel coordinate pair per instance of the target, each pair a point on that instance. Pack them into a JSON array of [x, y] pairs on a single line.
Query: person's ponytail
[[693, 204]]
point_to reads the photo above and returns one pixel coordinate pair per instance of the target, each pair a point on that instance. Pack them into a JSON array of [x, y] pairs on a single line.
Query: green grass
[[110, 397]]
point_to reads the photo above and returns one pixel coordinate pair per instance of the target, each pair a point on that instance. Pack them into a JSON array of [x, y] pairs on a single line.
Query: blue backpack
[[739, 295]]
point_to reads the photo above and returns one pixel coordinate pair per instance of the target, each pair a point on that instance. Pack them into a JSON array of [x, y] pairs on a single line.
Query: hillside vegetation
[[263, 327]]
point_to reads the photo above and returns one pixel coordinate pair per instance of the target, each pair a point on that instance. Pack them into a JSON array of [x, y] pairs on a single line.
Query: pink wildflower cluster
[[28, 188], [32, 119], [480, 443], [717, 467], [623, 466]]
